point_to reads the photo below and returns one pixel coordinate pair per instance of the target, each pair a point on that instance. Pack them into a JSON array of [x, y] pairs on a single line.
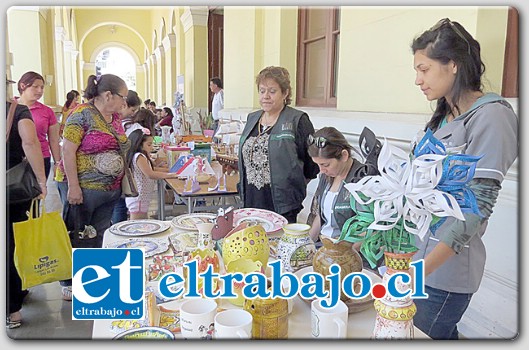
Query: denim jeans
[[438, 315], [96, 211], [120, 211]]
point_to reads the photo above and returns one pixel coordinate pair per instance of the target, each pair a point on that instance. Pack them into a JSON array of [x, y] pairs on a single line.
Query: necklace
[[263, 129]]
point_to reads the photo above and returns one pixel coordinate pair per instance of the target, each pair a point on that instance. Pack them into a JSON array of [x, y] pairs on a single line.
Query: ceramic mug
[[197, 318], [233, 324], [329, 323]]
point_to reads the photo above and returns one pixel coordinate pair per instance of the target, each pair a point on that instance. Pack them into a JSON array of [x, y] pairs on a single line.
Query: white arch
[[109, 44], [102, 24]]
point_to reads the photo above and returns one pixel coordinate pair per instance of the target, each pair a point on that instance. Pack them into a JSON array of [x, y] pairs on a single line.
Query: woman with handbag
[[22, 142], [90, 174]]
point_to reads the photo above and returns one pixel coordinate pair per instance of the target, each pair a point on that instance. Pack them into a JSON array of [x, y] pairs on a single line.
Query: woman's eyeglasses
[[120, 95], [454, 28], [320, 141]]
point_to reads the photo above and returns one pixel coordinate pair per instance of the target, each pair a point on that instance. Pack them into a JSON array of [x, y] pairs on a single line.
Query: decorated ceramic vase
[[204, 258], [245, 241], [340, 253], [243, 266], [270, 317], [394, 318], [295, 248]]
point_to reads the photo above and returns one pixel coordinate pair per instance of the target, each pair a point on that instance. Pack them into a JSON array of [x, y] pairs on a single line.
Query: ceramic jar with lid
[[295, 248]]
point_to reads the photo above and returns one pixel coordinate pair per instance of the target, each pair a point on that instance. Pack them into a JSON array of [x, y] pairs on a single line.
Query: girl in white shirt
[[142, 169]]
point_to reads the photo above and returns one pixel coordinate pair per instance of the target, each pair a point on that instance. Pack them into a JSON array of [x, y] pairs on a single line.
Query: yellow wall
[[239, 56], [196, 63], [376, 65], [138, 18], [27, 54], [491, 32], [46, 43], [265, 36], [375, 61]]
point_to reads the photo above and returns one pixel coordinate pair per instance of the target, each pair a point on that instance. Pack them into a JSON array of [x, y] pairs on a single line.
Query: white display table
[[360, 325]]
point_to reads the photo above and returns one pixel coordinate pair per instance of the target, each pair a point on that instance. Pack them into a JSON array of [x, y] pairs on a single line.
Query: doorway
[[215, 47]]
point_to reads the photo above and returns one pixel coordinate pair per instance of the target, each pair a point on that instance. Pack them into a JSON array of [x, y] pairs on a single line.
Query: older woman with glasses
[[449, 71], [94, 149], [274, 166]]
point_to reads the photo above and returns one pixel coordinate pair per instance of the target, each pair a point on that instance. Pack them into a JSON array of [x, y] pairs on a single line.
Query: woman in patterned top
[[93, 166]]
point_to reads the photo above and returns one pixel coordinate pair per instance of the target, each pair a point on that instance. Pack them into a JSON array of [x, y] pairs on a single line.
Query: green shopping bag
[[43, 252]]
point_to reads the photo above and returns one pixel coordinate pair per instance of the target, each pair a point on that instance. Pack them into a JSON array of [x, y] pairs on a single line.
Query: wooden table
[[360, 325], [229, 162], [177, 186]]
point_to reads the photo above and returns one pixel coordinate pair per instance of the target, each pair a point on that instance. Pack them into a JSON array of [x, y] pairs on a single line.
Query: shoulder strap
[[10, 117], [111, 128]]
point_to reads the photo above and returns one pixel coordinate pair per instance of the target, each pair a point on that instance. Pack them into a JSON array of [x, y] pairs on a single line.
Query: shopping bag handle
[[36, 212]]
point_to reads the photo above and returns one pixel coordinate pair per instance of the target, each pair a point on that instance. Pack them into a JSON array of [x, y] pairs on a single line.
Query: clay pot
[[340, 253]]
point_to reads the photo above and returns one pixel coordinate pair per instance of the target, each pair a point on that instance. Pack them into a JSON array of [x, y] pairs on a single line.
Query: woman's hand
[[75, 195], [43, 189]]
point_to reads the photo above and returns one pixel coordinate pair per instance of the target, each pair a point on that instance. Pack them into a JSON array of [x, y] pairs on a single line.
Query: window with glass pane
[[318, 47]]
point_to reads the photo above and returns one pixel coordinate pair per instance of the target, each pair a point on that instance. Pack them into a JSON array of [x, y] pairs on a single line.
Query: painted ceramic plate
[[184, 241], [356, 305], [156, 333], [189, 221], [271, 222], [150, 246], [139, 227]]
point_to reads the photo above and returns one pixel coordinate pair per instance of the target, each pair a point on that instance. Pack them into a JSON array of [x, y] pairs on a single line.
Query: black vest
[[286, 168]]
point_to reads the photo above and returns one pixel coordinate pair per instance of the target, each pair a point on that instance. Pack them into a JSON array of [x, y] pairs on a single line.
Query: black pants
[[14, 295], [47, 166]]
